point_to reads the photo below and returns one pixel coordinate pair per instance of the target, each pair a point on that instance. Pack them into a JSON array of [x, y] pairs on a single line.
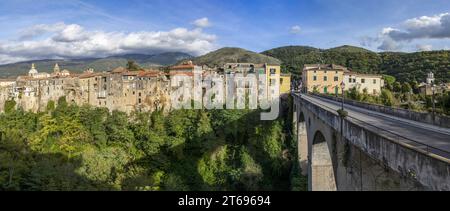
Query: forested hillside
[[84, 148], [233, 55], [403, 66]]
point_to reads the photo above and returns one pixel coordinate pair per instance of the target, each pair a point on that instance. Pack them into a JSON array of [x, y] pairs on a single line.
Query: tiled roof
[[172, 73], [362, 74], [7, 80], [149, 74], [89, 75], [132, 73], [119, 70], [183, 67], [323, 66]]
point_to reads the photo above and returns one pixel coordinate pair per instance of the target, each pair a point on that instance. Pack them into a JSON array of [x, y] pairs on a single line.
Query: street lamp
[[443, 91], [433, 89], [343, 94]]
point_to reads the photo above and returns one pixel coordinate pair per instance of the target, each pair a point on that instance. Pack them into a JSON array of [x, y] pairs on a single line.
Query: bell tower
[[56, 69]]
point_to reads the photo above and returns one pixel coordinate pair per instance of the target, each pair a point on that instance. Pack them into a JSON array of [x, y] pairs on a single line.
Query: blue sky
[[83, 28]]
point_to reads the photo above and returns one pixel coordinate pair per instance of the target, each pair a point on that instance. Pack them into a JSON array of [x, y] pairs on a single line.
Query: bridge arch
[[322, 175]]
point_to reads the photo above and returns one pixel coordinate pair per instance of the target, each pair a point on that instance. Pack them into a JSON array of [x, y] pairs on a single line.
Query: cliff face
[[107, 91]]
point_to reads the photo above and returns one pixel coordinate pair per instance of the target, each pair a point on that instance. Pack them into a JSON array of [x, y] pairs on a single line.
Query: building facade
[[119, 89], [370, 84], [327, 79], [323, 78]]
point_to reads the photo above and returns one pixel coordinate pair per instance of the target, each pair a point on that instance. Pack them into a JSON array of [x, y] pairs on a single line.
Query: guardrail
[[399, 139], [429, 118]]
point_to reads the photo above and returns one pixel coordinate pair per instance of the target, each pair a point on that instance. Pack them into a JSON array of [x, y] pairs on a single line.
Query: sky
[[64, 29]]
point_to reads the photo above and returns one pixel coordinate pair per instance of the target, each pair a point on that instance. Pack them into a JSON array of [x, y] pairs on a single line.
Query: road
[[417, 134]]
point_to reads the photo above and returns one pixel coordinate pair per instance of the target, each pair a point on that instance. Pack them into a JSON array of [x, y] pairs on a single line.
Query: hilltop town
[[120, 89]]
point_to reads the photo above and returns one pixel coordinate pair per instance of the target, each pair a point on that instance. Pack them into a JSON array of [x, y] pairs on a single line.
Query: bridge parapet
[[438, 120]]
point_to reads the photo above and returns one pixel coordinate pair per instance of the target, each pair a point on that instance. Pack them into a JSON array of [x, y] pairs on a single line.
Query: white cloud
[[73, 41], [390, 45], [5, 59], [424, 21], [39, 30], [71, 33], [425, 27], [424, 47], [295, 29], [202, 23]]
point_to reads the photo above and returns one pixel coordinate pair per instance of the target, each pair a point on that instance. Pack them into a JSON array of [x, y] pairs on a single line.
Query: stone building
[[118, 89], [370, 83]]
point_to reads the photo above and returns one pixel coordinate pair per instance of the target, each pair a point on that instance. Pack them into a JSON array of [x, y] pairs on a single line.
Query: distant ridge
[[99, 64]]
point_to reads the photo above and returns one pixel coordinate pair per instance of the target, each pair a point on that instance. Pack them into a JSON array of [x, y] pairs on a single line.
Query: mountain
[[350, 49], [233, 55], [403, 66], [99, 64]]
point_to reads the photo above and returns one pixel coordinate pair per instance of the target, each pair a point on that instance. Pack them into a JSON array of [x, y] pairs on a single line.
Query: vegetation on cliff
[[84, 148]]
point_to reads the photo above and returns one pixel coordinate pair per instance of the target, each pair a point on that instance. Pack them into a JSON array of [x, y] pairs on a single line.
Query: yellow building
[[285, 84], [323, 78], [274, 75]]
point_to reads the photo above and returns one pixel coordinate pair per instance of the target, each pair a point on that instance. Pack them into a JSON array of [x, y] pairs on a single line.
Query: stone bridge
[[368, 150]]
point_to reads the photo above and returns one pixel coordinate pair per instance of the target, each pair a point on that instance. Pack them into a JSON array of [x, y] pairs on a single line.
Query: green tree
[[397, 87], [406, 88], [133, 66], [10, 106], [387, 98]]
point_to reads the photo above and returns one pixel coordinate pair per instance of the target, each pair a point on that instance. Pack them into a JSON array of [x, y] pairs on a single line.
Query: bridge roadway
[[432, 139]]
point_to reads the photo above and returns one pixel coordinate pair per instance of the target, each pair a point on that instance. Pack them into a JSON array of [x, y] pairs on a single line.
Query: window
[[325, 78], [350, 80], [315, 78], [273, 82], [140, 100], [325, 90], [363, 81], [354, 80], [315, 71], [337, 72], [281, 81], [374, 81], [325, 72], [273, 71], [336, 78]]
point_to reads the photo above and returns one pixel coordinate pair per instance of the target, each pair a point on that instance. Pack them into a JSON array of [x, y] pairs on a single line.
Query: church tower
[[430, 78], [56, 69], [33, 72]]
